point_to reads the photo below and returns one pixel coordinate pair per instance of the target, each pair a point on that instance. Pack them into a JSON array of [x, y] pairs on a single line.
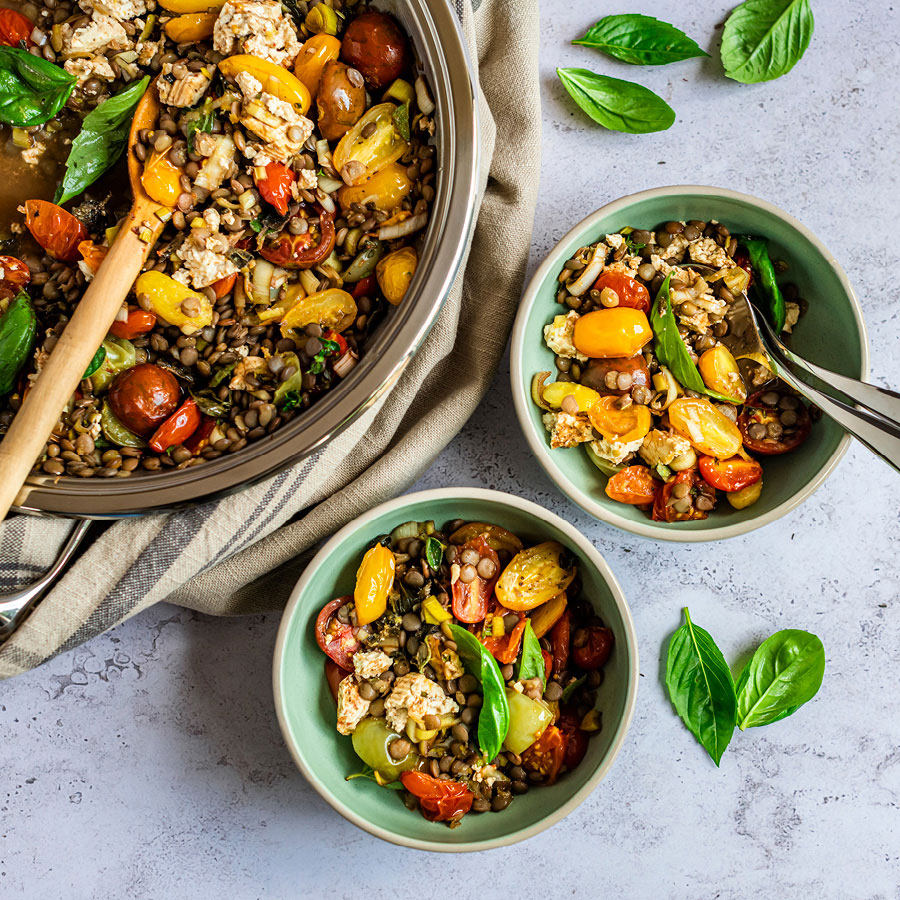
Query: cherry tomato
[[275, 187], [470, 600], [15, 29], [376, 45], [708, 429], [576, 739], [56, 230], [560, 639], [330, 335], [506, 649], [143, 397], [341, 102], [302, 251], [669, 507], [92, 254], [177, 428], [591, 647], [634, 485], [14, 275], [773, 422], [364, 287], [440, 801], [630, 292], [545, 756], [335, 638], [199, 440], [548, 663], [594, 372], [624, 425], [224, 285], [619, 331], [730, 474], [334, 675], [139, 322]]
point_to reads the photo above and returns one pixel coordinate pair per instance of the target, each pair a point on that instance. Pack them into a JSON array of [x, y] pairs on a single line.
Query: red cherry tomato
[[199, 440], [330, 335], [139, 322], [470, 601], [15, 29], [631, 293], [560, 639], [224, 285], [177, 428], [440, 801], [773, 427], [365, 287], [376, 45], [56, 230], [334, 637], [548, 663], [664, 509], [334, 675], [143, 397], [545, 756], [14, 275], [506, 649], [576, 739], [730, 474], [591, 647], [275, 187], [302, 251]]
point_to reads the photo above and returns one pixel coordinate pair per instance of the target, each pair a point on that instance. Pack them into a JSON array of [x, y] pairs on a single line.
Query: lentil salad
[[464, 666], [289, 237]]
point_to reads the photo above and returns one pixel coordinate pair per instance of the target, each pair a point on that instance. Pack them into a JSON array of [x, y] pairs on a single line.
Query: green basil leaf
[[570, 688], [401, 120], [619, 105], [434, 552], [785, 672], [640, 40], [96, 362], [531, 662], [99, 144], [18, 326], [758, 251], [701, 687], [32, 90], [493, 720], [765, 39]]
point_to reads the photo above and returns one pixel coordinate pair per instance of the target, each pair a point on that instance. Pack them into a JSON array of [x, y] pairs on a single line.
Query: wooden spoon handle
[[70, 358]]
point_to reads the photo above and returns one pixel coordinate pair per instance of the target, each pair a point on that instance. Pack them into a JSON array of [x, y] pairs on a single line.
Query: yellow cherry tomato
[[386, 189], [621, 425], [720, 373], [535, 576], [708, 430], [557, 391], [394, 273], [357, 156], [607, 333], [191, 6], [745, 496], [275, 80], [374, 580], [547, 615], [318, 50], [167, 297], [191, 27], [161, 179], [334, 308]]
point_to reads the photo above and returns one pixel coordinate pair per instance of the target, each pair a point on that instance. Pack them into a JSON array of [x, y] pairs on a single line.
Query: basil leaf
[[570, 688], [786, 671], [640, 40], [434, 552], [99, 144], [401, 120], [531, 663], [18, 326], [32, 90], [95, 363], [619, 105], [758, 250], [765, 39], [493, 720], [701, 687]]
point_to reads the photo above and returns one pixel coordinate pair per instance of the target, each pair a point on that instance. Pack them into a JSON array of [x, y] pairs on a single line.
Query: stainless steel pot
[[435, 33]]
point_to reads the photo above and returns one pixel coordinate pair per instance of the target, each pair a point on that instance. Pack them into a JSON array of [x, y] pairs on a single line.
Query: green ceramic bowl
[[306, 710], [831, 334]]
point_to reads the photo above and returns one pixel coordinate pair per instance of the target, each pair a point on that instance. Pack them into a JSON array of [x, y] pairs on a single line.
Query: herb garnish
[[329, 348], [32, 90], [640, 40]]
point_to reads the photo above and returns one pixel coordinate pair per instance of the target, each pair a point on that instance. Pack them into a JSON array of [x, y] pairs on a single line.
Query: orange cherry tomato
[[591, 647], [634, 485], [620, 331], [440, 801], [56, 230], [548, 663], [545, 756], [470, 600], [275, 187], [92, 254], [506, 649], [668, 506], [199, 440], [14, 275], [631, 293], [15, 29], [335, 638], [302, 251], [177, 428], [709, 430], [139, 322], [730, 474], [622, 425], [560, 639], [224, 285]]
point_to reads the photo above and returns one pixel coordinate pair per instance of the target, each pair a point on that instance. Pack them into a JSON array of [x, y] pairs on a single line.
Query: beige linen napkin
[[221, 558]]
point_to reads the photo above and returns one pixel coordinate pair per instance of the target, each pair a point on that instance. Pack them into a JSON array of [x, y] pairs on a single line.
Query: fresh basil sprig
[[785, 672], [758, 250], [616, 104], [434, 552], [640, 40], [701, 687], [99, 144], [765, 39], [531, 663], [493, 720], [32, 90]]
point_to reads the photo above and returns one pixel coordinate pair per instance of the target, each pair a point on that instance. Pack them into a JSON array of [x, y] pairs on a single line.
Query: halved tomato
[[470, 600], [630, 292], [545, 756], [15, 29], [773, 422], [634, 485], [678, 504], [576, 739], [55, 229], [14, 275], [334, 637], [440, 801], [730, 474], [302, 251], [334, 675]]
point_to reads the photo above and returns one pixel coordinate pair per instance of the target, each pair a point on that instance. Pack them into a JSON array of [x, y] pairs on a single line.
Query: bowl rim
[[585, 548], [522, 397]]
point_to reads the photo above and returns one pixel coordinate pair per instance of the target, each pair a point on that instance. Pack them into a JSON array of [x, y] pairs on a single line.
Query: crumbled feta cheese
[[98, 33], [791, 315], [676, 249], [370, 663], [708, 253], [414, 696], [94, 67], [351, 708], [122, 10], [33, 154], [281, 128], [306, 180], [615, 451], [558, 336], [257, 27], [661, 447], [185, 91], [567, 429], [247, 366]]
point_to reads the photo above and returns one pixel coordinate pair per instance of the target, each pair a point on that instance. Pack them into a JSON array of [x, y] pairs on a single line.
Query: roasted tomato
[[275, 186], [302, 251], [591, 647], [470, 599], [614, 332], [375, 44], [335, 638], [14, 275], [634, 485], [730, 474], [545, 756], [440, 801], [177, 428], [224, 286], [199, 440], [576, 739], [742, 259], [341, 101], [685, 497], [774, 422], [15, 29], [139, 322], [143, 397], [365, 287], [560, 641], [630, 292], [708, 429], [622, 425], [56, 230], [595, 374], [92, 255], [334, 675], [505, 649], [535, 576]]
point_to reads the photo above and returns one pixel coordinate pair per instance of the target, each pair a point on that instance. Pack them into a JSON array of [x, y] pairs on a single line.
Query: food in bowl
[[464, 666], [646, 382], [293, 162]]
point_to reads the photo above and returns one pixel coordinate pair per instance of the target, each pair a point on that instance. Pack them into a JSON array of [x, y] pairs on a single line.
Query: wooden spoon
[[87, 328]]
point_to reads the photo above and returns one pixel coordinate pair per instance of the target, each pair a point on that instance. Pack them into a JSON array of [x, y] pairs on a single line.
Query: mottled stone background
[[148, 764]]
